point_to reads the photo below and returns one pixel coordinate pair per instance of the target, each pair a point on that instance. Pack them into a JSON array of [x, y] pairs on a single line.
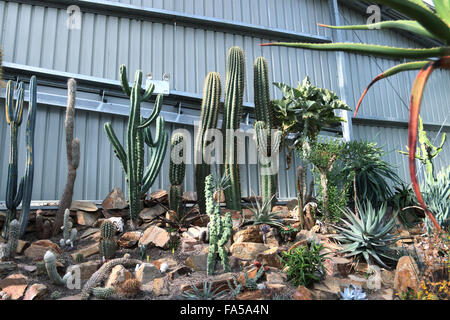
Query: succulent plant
[[9, 249], [206, 294], [176, 173], [69, 233], [103, 293], [107, 243], [369, 235], [262, 214], [50, 266], [353, 292]]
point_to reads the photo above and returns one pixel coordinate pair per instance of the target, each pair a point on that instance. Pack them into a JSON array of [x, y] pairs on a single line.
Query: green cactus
[[15, 194], [427, 151], [138, 132], [176, 173], [50, 266], [232, 114], [107, 243], [69, 233], [10, 248], [208, 120], [219, 229], [103, 293], [265, 142]]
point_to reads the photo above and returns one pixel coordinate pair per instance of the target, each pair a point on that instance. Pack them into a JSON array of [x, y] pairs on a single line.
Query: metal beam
[[398, 123], [165, 16]]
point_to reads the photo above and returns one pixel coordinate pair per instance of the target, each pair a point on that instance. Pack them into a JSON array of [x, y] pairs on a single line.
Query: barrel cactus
[[177, 171], [208, 121], [107, 243], [138, 131]]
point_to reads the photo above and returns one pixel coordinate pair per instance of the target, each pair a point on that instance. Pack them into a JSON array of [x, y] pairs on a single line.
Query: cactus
[[50, 266], [208, 120], [103, 293], [107, 243], [232, 114], [265, 142], [129, 288], [176, 174], [73, 156], [303, 194], [69, 233], [138, 132], [219, 229], [43, 227], [103, 272], [9, 249]]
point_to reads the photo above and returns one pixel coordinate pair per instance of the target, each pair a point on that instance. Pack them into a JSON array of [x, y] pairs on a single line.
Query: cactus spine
[[138, 132], [50, 266], [107, 243], [176, 173], [208, 120], [219, 229], [73, 156], [69, 233], [14, 192], [9, 249]]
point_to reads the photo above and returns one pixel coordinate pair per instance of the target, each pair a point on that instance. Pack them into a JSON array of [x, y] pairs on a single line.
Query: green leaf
[[443, 9]]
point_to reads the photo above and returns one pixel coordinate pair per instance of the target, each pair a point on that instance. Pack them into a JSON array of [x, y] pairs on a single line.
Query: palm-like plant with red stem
[[424, 22]]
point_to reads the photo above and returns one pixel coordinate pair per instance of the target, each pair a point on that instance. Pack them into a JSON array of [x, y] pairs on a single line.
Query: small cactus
[[50, 266], [107, 243], [69, 233], [103, 293], [10, 248], [176, 173]]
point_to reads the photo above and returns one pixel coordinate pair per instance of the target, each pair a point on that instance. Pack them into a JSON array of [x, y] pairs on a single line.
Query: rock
[[21, 246], [282, 211], [250, 234], [88, 233], [254, 295], [188, 244], [247, 250], [337, 266], [86, 218], [387, 277], [118, 276], [276, 277], [38, 249], [118, 222], [14, 285], [197, 262], [87, 269], [302, 293], [361, 267], [251, 274], [179, 272], [155, 235], [298, 244], [292, 204], [36, 291], [115, 200], [75, 297], [86, 206], [374, 280], [219, 283], [147, 214], [160, 287], [190, 196], [406, 275], [6, 267], [194, 232], [171, 263], [27, 268], [270, 258], [87, 252], [147, 272], [159, 196], [129, 239]]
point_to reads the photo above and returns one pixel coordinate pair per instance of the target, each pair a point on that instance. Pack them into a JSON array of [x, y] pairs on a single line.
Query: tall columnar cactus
[[138, 131], [50, 266], [73, 157], [208, 120], [107, 243], [232, 114], [219, 229], [267, 144], [177, 170], [69, 233]]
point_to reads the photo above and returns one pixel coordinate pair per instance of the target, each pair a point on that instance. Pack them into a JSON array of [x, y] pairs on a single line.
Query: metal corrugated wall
[[36, 35]]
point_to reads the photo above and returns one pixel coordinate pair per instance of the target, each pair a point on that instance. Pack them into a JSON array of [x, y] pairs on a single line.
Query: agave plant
[[263, 215], [206, 294], [353, 292], [369, 235], [424, 22]]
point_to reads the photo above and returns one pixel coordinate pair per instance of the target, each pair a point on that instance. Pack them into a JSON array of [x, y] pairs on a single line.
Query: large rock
[[194, 232], [159, 196], [129, 239], [190, 196], [87, 269], [83, 206], [197, 262], [156, 236], [21, 246], [302, 293], [171, 263], [115, 200], [148, 214], [270, 258], [179, 272], [87, 252], [160, 287], [86, 218], [118, 276], [14, 285], [247, 250], [38, 249], [250, 234], [36, 291], [406, 275], [147, 272], [189, 244]]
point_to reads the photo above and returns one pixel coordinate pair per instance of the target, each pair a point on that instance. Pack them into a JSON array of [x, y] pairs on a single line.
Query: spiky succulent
[[368, 235], [263, 215], [353, 293], [206, 294]]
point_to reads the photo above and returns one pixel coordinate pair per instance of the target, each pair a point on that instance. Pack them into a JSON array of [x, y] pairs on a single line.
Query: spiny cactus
[[9, 249], [50, 266], [73, 156], [69, 233], [232, 114], [219, 229], [22, 192], [107, 243], [208, 121], [104, 271], [43, 227], [267, 144], [176, 173], [303, 194], [138, 131], [103, 293]]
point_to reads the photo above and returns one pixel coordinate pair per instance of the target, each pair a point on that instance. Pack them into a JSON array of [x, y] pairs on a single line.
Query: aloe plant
[[262, 214], [423, 22], [368, 235]]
